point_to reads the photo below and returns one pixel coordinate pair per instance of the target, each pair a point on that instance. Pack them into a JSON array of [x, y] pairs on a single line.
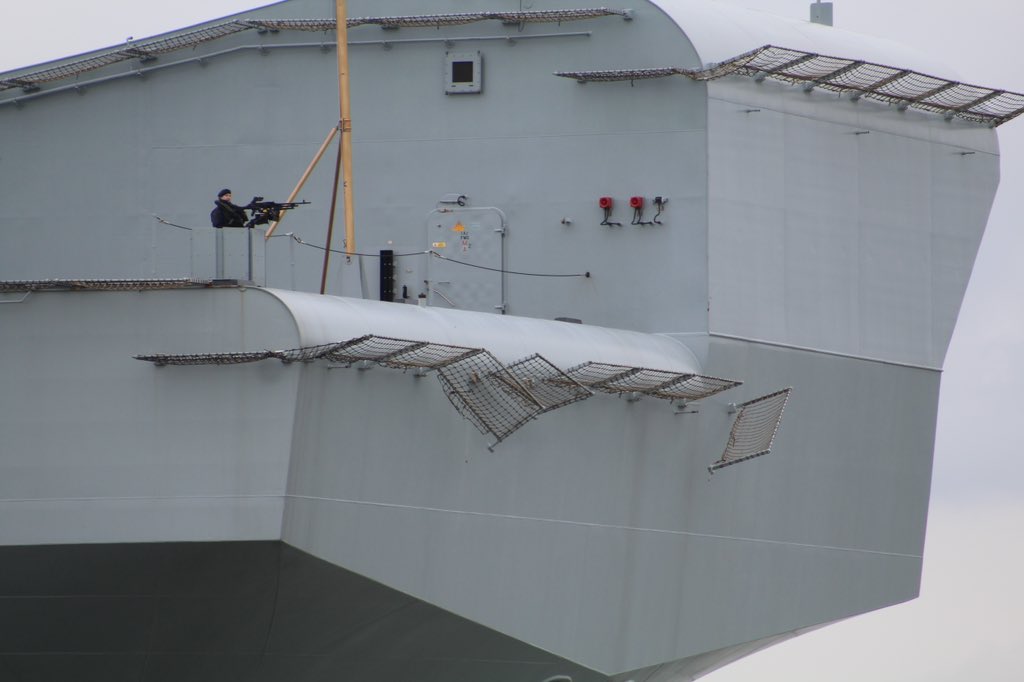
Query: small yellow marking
[[459, 227], [440, 245]]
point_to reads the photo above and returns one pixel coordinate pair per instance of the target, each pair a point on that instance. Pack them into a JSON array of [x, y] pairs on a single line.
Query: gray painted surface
[[253, 122], [809, 241], [842, 226], [130, 454], [642, 557], [606, 504]]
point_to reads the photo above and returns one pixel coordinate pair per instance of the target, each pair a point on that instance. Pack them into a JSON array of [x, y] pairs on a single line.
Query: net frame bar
[[904, 88]]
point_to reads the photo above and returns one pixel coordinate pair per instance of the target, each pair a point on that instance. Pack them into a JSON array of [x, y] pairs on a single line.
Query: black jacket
[[227, 214]]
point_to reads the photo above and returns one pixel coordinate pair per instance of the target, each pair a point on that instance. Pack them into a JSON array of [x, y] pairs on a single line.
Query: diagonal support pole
[[302, 180]]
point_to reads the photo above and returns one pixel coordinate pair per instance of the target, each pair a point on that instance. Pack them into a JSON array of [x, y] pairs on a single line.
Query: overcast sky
[[968, 623]]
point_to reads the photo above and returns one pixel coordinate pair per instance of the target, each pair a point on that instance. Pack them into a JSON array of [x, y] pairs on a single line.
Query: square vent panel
[[463, 73]]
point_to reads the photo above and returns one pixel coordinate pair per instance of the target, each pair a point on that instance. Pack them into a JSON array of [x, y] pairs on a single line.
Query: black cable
[[507, 272], [607, 215], [403, 255], [638, 217], [346, 253], [438, 255], [660, 203]]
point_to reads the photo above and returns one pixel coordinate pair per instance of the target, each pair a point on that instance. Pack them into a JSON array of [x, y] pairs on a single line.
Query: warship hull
[[221, 506], [520, 436]]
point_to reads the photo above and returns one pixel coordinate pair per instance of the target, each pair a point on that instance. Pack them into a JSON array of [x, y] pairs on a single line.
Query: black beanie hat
[[223, 192]]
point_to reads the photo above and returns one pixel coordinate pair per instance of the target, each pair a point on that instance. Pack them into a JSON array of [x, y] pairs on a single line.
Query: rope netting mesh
[[149, 49], [142, 50], [485, 393], [550, 386], [499, 399], [614, 75], [530, 17], [903, 87], [206, 358], [306, 353], [399, 353], [657, 383], [383, 350], [99, 284], [496, 398], [753, 431]]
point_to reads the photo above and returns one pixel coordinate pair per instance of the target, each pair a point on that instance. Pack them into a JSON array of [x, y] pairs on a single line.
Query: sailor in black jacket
[[227, 214]]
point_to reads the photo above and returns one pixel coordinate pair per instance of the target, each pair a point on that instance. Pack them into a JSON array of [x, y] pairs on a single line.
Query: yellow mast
[[346, 126], [344, 150]]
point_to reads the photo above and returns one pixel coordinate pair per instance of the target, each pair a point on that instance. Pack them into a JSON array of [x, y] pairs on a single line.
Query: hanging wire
[[507, 272], [299, 240]]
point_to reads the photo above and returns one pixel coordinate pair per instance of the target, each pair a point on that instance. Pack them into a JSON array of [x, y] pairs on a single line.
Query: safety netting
[[99, 284], [206, 358], [549, 386], [398, 353], [904, 88], [483, 391], [527, 17], [753, 431], [383, 350], [499, 399], [657, 383], [147, 50], [496, 399]]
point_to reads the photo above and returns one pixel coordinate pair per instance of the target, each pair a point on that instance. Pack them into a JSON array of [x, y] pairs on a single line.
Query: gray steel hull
[[271, 510]]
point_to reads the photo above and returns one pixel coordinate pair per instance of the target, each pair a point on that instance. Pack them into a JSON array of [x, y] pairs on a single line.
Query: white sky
[[968, 623]]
